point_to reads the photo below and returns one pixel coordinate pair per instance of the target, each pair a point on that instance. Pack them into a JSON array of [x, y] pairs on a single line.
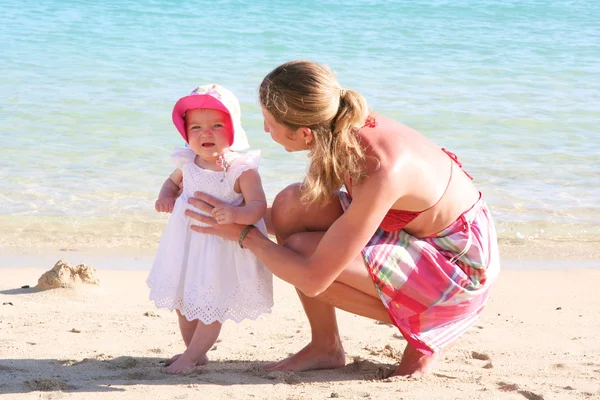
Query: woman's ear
[[306, 134]]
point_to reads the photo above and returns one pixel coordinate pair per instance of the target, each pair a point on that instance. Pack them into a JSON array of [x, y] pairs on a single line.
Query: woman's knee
[[286, 199], [303, 243], [286, 212], [290, 215]]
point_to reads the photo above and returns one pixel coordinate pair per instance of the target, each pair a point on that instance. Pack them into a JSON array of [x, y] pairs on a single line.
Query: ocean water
[[87, 87]]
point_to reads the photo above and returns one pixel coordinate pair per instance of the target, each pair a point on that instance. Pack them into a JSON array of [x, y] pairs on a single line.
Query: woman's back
[[429, 182]]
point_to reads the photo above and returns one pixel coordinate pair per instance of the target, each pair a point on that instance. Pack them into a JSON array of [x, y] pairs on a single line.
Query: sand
[[537, 339]]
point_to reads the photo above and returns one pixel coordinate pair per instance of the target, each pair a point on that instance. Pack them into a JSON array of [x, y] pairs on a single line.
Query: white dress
[[204, 276]]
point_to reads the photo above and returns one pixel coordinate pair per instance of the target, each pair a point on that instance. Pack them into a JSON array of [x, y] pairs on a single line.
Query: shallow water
[[86, 91]]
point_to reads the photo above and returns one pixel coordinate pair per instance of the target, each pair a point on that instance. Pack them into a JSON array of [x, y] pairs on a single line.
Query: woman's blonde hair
[[307, 94]]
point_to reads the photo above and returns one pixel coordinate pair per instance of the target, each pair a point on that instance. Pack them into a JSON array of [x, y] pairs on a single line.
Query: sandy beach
[[537, 339]]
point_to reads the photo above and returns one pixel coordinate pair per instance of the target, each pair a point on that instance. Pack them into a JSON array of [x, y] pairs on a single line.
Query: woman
[[411, 242]]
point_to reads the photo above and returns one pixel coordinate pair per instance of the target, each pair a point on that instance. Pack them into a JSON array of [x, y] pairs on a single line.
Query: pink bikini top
[[396, 220]]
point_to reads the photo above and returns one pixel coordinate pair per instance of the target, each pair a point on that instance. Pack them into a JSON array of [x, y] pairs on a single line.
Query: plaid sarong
[[435, 287]]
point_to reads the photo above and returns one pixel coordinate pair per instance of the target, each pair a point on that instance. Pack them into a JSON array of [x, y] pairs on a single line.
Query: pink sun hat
[[215, 97]]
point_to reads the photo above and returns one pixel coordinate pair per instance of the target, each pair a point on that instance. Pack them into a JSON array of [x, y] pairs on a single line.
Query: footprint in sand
[[444, 376], [530, 395], [151, 314], [370, 370], [388, 351], [13, 370], [152, 375], [47, 385], [507, 387], [289, 377], [72, 363], [123, 362], [259, 372], [480, 356], [155, 351], [86, 361], [512, 387]]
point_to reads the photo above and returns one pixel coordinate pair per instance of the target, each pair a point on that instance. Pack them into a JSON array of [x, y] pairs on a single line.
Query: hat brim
[[196, 101]]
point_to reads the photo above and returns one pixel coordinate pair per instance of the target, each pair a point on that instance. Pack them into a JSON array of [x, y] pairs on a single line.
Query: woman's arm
[[255, 202], [342, 242]]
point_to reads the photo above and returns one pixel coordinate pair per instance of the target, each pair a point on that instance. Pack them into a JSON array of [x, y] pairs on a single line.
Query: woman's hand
[[207, 203]]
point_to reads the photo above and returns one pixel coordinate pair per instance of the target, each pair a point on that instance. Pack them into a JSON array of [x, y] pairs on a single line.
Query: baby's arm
[[255, 202], [169, 192]]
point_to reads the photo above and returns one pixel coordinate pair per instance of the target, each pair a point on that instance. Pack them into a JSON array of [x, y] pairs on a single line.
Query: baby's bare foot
[[172, 359], [176, 356], [184, 365]]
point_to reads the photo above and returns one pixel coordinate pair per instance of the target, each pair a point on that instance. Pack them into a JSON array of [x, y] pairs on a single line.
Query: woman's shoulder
[[371, 121], [381, 131], [383, 134], [395, 150], [377, 122]]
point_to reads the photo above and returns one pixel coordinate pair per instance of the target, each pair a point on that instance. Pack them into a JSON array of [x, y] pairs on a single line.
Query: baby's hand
[[225, 214], [165, 204]]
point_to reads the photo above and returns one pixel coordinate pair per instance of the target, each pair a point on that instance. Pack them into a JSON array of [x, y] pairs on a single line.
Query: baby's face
[[208, 132]]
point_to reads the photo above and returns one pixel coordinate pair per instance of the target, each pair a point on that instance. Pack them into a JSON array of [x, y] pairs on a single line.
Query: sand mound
[[64, 276]]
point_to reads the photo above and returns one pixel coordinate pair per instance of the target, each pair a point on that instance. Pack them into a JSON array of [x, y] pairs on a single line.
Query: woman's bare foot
[[312, 357], [416, 364], [182, 364]]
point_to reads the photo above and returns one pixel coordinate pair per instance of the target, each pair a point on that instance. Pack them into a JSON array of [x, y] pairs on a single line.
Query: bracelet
[[243, 235]]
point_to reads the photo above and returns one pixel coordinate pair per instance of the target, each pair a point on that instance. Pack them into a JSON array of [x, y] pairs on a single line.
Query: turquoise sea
[[87, 87]]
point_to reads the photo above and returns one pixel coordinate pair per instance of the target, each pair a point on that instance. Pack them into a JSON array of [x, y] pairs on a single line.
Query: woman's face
[[291, 140]]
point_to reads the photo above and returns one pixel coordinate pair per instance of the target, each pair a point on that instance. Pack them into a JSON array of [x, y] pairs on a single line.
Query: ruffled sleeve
[[182, 156], [240, 163]]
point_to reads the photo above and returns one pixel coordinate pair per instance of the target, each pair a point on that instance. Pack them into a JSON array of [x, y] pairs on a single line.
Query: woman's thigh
[[288, 215], [355, 274]]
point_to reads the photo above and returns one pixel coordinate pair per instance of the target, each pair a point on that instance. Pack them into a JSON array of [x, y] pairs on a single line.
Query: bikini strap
[[455, 159]]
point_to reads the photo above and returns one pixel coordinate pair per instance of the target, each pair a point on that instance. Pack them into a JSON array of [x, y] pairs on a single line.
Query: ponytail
[[303, 93]]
